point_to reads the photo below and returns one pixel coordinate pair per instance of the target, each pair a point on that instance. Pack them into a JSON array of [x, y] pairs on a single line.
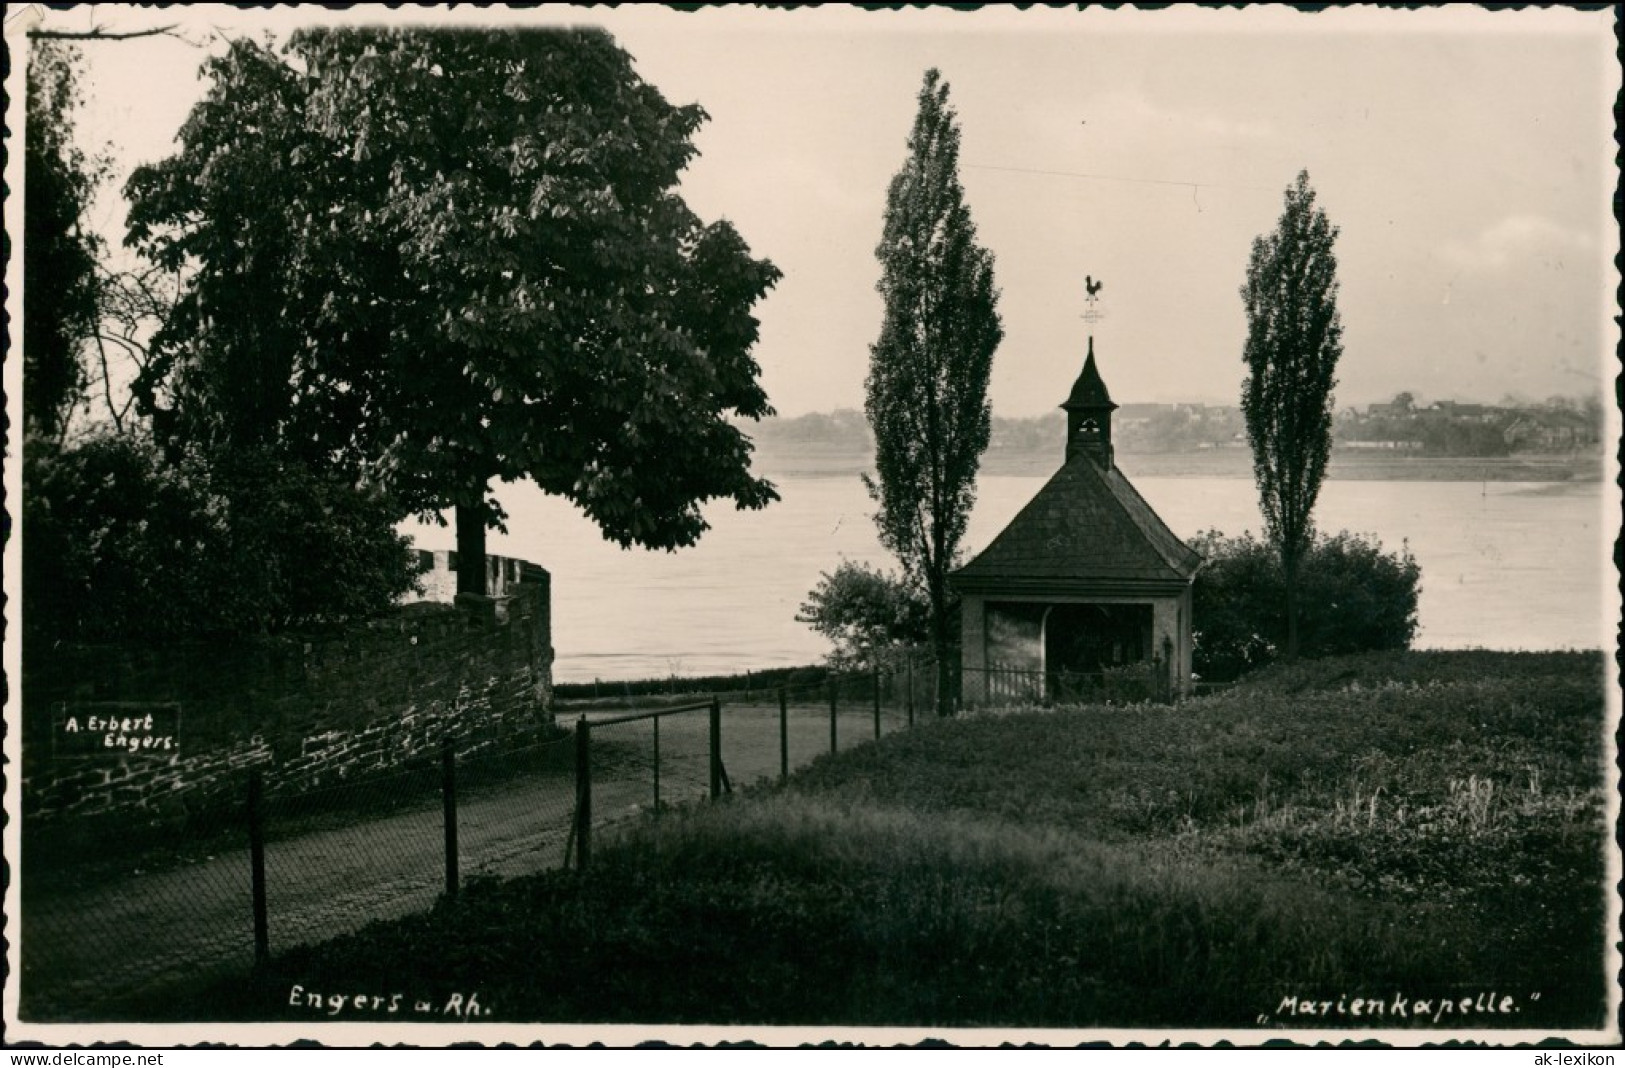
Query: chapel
[[1086, 586]]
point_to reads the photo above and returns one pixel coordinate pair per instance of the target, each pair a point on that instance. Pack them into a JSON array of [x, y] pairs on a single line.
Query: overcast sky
[[1465, 156]]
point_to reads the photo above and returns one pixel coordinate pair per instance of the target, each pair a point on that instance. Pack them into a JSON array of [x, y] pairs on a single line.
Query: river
[[1508, 565]]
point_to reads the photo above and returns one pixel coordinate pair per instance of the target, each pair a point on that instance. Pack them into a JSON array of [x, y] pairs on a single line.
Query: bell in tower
[[1089, 415]]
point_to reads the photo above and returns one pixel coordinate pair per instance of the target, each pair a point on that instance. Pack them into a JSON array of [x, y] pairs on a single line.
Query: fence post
[[656, 722], [256, 865], [784, 735], [448, 796], [877, 700], [583, 792], [716, 748], [832, 688], [911, 691], [1166, 680]]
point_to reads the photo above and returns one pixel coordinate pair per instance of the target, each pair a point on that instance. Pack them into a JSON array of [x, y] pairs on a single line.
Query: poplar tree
[[1294, 340], [928, 372]]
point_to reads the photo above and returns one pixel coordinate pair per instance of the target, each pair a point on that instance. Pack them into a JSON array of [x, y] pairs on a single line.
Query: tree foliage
[[219, 213], [124, 545], [441, 257], [871, 616], [1294, 340], [60, 291], [124, 541], [1353, 598], [928, 372]]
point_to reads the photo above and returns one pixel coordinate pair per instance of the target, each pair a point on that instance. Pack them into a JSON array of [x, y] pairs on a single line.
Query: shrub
[[121, 544], [868, 614], [328, 550], [1353, 598]]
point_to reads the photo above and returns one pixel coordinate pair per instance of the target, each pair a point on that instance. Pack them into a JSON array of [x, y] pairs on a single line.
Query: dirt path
[[82, 948]]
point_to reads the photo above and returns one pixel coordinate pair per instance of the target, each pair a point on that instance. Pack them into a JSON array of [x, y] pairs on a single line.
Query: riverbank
[[822, 460]]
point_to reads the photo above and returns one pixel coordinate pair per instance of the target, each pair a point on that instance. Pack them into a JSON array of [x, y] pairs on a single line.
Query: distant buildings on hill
[[1452, 428], [1440, 428]]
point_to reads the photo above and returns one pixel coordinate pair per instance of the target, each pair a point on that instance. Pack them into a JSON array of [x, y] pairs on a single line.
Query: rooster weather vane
[[1091, 311]]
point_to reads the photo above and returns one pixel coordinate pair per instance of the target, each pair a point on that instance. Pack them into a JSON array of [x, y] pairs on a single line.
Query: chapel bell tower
[[1089, 415]]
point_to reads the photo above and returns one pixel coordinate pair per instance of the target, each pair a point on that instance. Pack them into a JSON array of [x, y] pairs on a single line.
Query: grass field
[[1362, 837]]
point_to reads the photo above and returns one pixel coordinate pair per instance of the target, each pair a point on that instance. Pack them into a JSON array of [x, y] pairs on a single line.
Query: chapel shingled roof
[[1087, 523]]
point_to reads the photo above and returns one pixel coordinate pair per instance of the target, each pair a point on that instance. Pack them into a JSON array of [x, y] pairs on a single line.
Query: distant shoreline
[[822, 460]]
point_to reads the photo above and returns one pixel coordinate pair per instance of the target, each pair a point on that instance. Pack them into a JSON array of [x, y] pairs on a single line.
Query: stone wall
[[308, 710]]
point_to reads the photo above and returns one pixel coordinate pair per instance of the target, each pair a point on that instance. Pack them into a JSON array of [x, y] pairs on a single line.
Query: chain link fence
[[118, 906], [220, 889], [762, 732]]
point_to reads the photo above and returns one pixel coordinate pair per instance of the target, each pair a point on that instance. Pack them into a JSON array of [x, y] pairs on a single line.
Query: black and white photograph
[[792, 525]]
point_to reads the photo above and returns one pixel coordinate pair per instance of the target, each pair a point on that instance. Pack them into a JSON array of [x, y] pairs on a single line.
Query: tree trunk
[[940, 649], [470, 521], [1290, 564]]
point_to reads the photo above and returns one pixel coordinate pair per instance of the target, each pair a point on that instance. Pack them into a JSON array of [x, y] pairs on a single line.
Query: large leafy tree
[[60, 289], [928, 372], [447, 257], [227, 213], [1294, 340]]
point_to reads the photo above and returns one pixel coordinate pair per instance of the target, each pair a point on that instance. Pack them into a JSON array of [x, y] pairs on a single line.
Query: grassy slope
[[1426, 824]]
